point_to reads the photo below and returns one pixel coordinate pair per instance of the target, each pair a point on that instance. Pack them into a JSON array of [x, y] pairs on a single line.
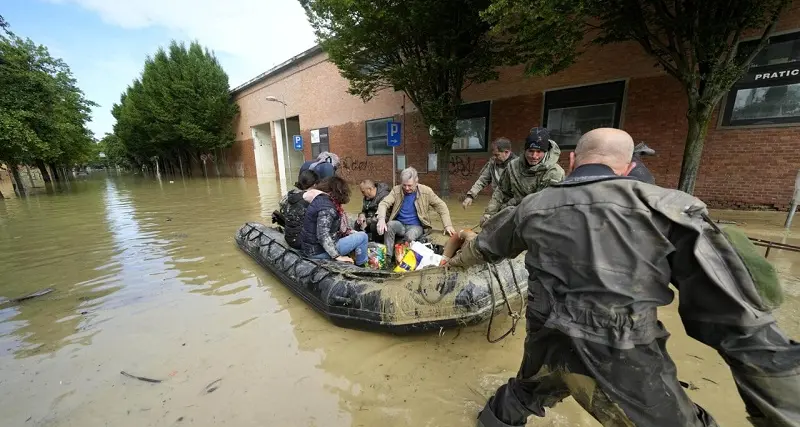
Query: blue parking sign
[[393, 134], [298, 142]]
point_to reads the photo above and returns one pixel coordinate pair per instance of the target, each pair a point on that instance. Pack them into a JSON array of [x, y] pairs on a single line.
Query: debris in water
[[696, 357], [690, 385], [711, 381], [212, 386], [36, 294], [145, 379], [179, 419]]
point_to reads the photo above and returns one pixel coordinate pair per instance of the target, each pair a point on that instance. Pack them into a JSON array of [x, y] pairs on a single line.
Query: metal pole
[[795, 201], [394, 167], [286, 141]]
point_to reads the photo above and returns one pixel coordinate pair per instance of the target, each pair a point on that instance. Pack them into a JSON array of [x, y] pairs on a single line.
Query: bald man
[[602, 249]]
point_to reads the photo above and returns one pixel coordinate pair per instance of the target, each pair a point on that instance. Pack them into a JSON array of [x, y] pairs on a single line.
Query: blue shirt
[[408, 212]]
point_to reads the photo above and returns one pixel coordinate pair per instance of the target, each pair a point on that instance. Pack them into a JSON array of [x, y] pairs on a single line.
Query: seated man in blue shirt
[[410, 205]]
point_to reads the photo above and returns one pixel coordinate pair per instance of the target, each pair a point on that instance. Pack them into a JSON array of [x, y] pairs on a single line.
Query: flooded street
[[148, 280]]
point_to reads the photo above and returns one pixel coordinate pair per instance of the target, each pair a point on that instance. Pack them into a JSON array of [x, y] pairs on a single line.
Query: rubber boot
[[486, 418]]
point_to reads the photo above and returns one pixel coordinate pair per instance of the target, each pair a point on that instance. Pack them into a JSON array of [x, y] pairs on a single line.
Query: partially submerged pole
[[795, 201]]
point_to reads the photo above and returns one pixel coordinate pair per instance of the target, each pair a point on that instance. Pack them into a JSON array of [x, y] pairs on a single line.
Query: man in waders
[[602, 249]]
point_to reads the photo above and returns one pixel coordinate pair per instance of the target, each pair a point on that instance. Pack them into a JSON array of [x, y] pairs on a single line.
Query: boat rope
[[515, 316]]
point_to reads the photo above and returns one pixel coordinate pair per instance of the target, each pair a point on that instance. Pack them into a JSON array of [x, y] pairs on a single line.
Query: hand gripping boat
[[361, 298]]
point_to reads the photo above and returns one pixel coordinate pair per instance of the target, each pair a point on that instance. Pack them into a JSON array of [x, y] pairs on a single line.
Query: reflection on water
[[148, 280]]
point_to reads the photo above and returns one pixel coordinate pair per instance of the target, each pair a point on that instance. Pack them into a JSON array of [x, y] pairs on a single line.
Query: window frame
[[366, 136], [749, 81], [575, 97], [476, 110]]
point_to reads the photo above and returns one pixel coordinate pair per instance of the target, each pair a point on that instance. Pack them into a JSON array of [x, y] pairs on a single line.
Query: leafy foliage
[[696, 42], [431, 50], [43, 114], [179, 106]]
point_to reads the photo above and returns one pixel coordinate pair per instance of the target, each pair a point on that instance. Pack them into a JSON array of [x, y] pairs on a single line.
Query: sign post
[[795, 202], [298, 142], [393, 139]]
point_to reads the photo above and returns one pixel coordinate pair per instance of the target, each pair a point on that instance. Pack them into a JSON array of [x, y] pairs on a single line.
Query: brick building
[[751, 155]]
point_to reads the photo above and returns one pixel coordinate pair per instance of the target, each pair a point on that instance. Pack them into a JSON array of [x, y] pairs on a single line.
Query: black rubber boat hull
[[400, 303]]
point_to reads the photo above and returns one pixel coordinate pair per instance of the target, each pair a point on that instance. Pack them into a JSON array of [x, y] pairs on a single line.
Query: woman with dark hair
[[293, 208], [326, 233]]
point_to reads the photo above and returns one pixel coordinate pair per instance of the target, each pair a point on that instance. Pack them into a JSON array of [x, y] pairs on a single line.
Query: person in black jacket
[[293, 208], [367, 221], [326, 233], [640, 171]]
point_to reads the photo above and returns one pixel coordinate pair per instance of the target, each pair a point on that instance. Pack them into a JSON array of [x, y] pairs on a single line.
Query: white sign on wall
[[315, 136]]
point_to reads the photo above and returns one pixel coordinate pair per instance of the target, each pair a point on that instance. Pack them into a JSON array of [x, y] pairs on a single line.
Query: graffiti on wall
[[461, 166], [350, 166], [464, 166]]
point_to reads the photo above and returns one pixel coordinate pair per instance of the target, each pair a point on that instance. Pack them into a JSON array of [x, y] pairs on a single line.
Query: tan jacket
[[426, 200]]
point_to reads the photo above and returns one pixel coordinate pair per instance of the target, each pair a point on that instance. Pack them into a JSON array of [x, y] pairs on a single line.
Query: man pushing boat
[[602, 249]]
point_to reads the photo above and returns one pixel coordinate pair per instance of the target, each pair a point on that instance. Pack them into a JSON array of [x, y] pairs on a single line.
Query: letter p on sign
[[393, 134]]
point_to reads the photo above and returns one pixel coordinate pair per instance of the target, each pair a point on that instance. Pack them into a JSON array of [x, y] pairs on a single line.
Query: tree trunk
[[30, 176], [180, 162], [19, 188], [443, 166], [43, 169], [55, 172], [693, 149]]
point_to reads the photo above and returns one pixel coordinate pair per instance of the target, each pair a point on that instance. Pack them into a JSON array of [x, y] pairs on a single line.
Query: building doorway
[[291, 159], [264, 154]]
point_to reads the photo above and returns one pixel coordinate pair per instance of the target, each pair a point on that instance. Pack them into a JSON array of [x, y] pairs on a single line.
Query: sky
[[105, 42]]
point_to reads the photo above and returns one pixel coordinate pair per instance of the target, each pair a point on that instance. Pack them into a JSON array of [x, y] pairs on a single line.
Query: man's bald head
[[605, 146]]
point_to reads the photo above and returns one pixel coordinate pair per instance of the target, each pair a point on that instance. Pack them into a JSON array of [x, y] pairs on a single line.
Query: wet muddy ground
[[148, 280]]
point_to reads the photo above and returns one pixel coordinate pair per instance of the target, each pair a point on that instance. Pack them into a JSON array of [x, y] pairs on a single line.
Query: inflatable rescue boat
[[361, 298]]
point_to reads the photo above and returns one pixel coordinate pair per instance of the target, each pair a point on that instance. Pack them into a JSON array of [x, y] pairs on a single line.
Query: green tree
[[115, 152], [43, 114], [180, 106], [430, 50], [696, 42]]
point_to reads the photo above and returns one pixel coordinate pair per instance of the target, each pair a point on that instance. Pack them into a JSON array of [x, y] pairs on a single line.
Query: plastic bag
[[376, 256], [408, 262]]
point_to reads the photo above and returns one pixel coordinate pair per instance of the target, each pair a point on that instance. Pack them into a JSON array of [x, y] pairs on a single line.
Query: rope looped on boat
[[515, 316]]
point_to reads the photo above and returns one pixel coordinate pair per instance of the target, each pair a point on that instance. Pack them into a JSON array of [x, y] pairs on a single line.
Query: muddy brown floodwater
[[148, 280]]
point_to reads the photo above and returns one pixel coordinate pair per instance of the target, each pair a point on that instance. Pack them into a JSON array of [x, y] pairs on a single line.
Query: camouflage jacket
[[490, 175], [519, 180]]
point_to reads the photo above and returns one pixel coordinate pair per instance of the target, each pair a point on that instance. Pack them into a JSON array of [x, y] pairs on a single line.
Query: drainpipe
[[795, 201]]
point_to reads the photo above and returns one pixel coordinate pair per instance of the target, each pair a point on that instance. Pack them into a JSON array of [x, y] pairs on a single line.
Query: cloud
[[253, 34]]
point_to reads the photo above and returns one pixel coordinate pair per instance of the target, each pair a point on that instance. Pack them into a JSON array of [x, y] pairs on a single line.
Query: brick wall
[[240, 159], [739, 168]]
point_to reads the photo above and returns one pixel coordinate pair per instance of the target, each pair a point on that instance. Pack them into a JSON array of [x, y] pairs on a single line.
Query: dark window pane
[[567, 125], [376, 137], [470, 134], [773, 102], [778, 53], [472, 127]]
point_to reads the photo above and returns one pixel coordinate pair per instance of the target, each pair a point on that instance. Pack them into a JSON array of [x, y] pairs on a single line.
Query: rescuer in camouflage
[[534, 171], [493, 170]]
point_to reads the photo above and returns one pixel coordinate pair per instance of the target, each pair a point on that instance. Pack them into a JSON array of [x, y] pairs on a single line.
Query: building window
[[472, 127], [376, 137], [569, 113], [769, 93]]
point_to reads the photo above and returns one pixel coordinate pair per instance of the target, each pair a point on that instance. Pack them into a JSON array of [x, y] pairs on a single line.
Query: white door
[[262, 144]]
